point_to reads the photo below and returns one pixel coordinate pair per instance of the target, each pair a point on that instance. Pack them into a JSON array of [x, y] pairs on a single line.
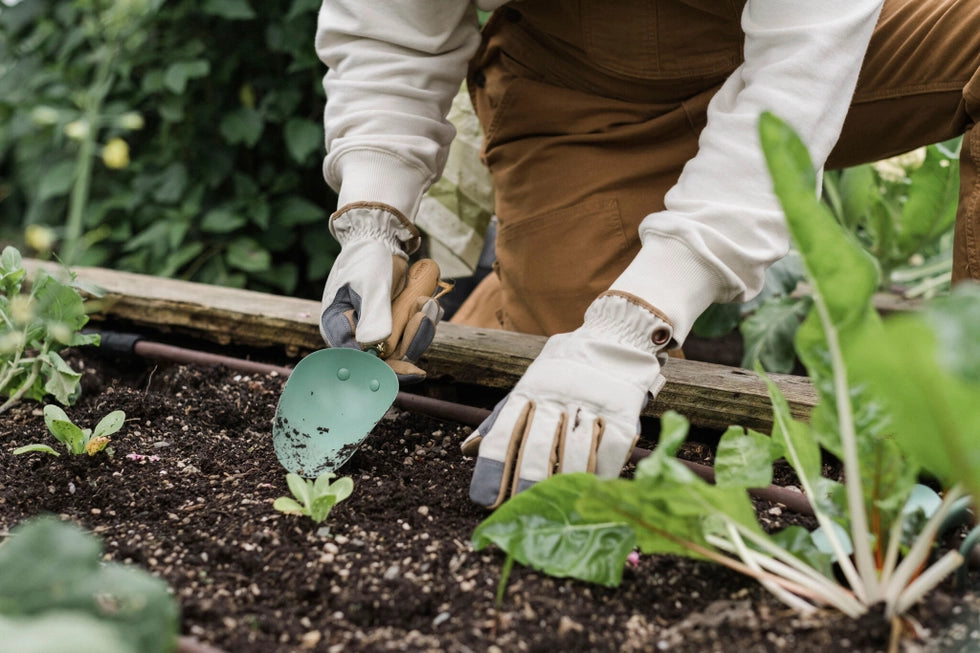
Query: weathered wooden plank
[[222, 315], [710, 395]]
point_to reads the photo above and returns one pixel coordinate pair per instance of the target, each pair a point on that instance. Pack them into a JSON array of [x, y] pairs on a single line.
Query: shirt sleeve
[[394, 67], [722, 225]]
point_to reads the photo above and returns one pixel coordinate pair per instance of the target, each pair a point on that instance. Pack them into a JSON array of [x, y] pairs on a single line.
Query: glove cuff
[[629, 320], [375, 221]]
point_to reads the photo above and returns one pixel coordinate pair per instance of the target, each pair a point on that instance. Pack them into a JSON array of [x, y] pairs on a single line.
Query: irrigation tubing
[[127, 343]]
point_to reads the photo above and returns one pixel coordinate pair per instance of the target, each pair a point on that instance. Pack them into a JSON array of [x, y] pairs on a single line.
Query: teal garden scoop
[[331, 402], [334, 397]]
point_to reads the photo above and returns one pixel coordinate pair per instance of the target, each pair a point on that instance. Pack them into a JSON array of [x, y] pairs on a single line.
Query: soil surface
[[187, 494]]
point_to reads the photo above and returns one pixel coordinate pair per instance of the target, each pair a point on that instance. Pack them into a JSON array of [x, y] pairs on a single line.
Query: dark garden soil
[[187, 494]]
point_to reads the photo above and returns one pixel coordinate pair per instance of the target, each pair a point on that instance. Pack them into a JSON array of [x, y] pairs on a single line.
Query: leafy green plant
[[210, 166], [35, 326], [902, 211], [58, 594], [76, 439], [315, 499], [897, 402]]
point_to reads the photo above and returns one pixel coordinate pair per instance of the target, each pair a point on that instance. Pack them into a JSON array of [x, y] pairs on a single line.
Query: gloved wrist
[[374, 221], [628, 320]]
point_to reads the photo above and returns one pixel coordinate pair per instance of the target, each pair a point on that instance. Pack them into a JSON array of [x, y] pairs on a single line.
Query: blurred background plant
[[177, 139], [901, 210]]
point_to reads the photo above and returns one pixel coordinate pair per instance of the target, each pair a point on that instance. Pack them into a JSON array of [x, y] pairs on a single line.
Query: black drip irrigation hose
[[130, 344]]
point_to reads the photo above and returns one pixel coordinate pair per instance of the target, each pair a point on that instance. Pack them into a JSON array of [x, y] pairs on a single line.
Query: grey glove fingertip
[[523, 484], [484, 428], [335, 326], [421, 340], [488, 475]]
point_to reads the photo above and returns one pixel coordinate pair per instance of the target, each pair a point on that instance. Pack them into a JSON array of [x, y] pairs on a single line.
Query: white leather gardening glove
[[372, 299], [577, 407]]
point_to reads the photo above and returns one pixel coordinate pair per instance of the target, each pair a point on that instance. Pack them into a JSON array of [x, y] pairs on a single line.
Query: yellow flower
[[246, 95], [39, 238], [115, 154]]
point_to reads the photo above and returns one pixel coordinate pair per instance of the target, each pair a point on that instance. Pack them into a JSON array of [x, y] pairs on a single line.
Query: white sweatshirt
[[395, 66]]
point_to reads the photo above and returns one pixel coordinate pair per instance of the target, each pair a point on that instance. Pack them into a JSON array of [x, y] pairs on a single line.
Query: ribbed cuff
[[375, 176], [672, 278]]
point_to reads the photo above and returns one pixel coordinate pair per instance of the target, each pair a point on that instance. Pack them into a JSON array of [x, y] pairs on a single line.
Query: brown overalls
[[591, 108]]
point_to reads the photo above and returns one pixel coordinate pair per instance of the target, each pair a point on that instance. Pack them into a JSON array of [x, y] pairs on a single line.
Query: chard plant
[[35, 325], [315, 499], [897, 403], [76, 439]]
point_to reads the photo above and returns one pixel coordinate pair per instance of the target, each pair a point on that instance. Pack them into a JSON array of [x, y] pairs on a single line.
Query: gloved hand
[[372, 298], [578, 405]]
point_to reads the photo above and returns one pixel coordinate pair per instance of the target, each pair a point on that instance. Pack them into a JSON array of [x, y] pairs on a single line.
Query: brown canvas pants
[[590, 110]]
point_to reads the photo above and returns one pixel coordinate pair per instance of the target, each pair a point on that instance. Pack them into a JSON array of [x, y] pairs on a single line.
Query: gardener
[[631, 189]]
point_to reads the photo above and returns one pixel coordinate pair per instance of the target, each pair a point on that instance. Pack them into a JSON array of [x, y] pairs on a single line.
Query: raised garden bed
[[187, 494]]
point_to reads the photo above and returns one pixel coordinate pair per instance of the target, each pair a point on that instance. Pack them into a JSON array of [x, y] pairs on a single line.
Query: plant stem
[[86, 156], [783, 562], [14, 398], [847, 568], [891, 554], [79, 197], [852, 468], [924, 583], [787, 597], [504, 577], [920, 548], [817, 587]]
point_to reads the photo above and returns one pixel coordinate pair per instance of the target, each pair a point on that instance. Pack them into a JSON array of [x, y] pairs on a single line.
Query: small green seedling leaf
[[71, 435], [109, 424], [315, 499], [342, 488], [288, 506], [302, 490], [39, 448], [321, 507]]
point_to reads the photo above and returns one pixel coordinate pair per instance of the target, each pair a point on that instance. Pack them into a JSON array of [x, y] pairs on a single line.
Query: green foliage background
[[224, 183]]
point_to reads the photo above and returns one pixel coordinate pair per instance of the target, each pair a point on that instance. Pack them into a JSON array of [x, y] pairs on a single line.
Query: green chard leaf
[[540, 527]]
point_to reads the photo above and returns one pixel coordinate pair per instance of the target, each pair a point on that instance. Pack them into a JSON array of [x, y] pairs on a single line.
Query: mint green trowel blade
[[330, 403]]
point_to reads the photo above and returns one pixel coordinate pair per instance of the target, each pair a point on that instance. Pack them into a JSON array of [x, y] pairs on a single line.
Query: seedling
[[315, 499], [76, 439]]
